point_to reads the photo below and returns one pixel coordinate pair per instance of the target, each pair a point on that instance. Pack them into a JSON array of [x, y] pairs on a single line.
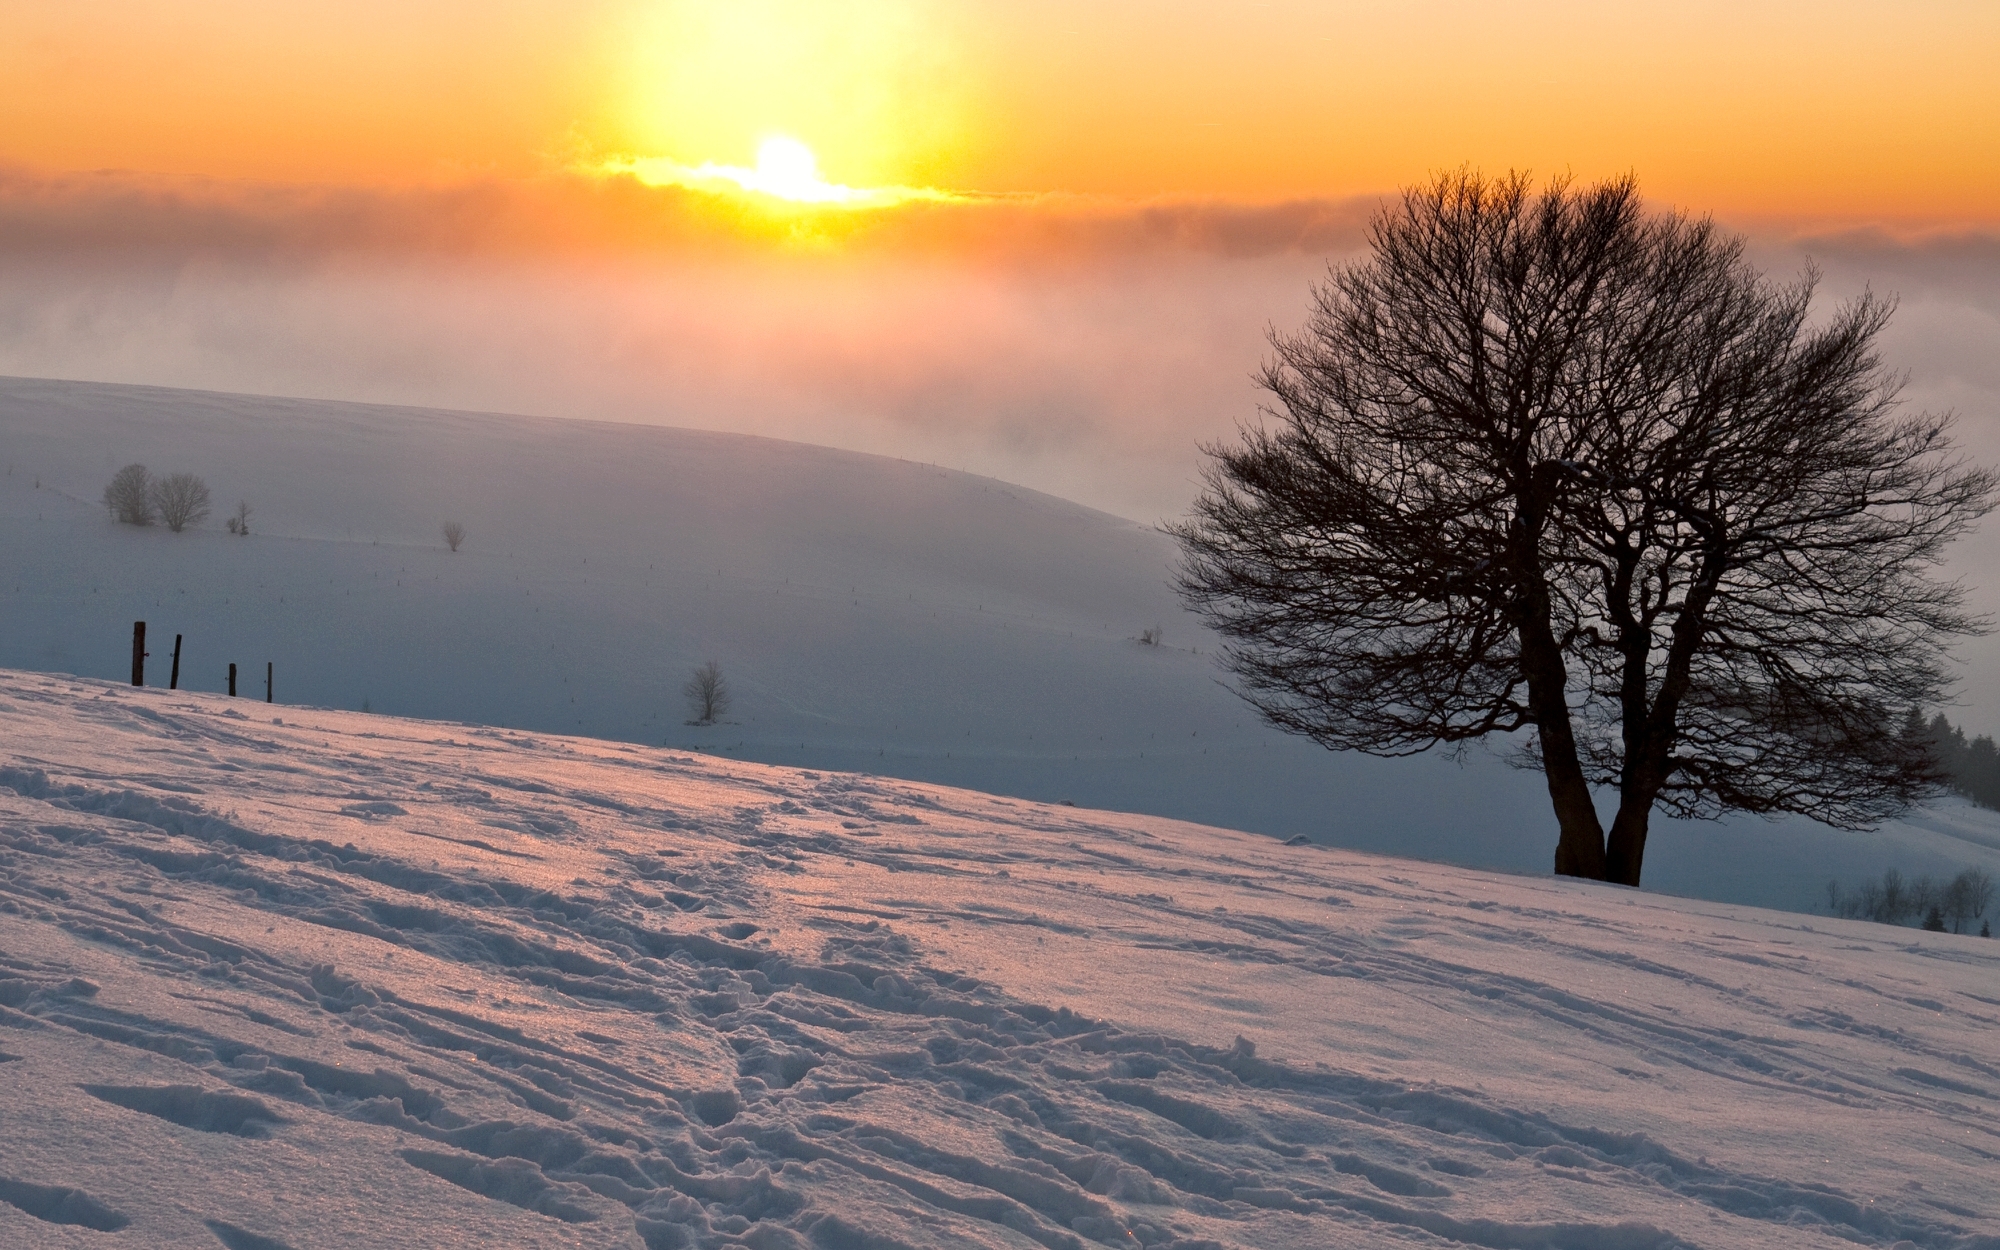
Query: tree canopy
[[1550, 465]]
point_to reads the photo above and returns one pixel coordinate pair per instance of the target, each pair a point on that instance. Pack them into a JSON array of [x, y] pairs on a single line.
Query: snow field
[[870, 615], [304, 978]]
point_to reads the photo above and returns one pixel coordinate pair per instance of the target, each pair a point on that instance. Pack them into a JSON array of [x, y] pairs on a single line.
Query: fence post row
[[139, 654]]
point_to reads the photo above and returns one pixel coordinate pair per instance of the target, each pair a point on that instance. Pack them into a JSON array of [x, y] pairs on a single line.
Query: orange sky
[[1830, 110]]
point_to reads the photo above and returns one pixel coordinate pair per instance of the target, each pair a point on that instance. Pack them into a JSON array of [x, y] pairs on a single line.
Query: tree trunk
[[1626, 852], [1641, 777], [1651, 731], [1644, 778], [1580, 841], [138, 653]]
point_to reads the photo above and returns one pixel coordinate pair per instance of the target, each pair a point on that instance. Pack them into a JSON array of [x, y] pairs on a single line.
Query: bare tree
[[1921, 897], [239, 522], [1547, 464], [1965, 898], [707, 694], [1896, 899], [454, 534], [181, 499], [1901, 898], [129, 497], [1979, 890]]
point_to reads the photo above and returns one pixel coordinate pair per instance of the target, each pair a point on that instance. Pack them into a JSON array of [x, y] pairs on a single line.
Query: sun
[[786, 169]]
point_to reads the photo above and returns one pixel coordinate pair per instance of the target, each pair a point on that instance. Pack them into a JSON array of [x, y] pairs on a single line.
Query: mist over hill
[[870, 615]]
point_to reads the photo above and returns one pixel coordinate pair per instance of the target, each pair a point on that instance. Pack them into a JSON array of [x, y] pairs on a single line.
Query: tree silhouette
[[707, 694], [1971, 765], [181, 499], [129, 497], [1546, 464]]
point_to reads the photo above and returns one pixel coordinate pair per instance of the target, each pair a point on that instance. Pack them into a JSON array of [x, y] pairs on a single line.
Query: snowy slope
[[285, 978], [870, 613]]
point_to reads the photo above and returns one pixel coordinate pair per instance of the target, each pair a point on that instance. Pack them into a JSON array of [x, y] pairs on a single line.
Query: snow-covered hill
[[871, 614], [273, 977]]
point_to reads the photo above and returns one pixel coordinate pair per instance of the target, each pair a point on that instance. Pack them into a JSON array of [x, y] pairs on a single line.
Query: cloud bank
[[1077, 345], [1080, 346], [579, 215]]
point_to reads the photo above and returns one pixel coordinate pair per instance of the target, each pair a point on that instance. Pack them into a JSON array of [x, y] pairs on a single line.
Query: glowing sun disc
[[786, 169]]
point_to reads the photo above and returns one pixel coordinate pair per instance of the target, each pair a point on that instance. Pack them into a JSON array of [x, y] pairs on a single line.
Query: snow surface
[[871, 614], [273, 977]]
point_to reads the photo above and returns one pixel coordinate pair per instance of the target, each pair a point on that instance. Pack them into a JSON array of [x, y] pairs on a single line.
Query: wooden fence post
[[138, 653], [174, 678], [232, 681], [267, 681]]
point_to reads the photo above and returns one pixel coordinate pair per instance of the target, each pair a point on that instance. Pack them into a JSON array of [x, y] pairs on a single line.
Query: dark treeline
[[1958, 905], [1971, 767]]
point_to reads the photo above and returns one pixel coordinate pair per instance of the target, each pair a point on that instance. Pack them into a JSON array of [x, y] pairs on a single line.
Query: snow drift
[[284, 978]]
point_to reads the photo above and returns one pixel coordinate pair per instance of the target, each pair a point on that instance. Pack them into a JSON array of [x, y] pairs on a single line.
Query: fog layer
[[1080, 347]]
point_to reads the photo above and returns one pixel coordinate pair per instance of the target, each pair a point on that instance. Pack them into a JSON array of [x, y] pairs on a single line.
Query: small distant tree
[[1925, 897], [454, 534], [1966, 897], [181, 499], [129, 497], [707, 694], [1152, 635], [1894, 903], [1934, 921], [239, 523]]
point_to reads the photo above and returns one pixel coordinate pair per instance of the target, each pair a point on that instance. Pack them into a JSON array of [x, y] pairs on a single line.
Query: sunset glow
[[1860, 112], [1042, 240]]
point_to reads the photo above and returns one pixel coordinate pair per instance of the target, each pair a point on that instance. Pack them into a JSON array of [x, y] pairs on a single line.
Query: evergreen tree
[[1972, 767]]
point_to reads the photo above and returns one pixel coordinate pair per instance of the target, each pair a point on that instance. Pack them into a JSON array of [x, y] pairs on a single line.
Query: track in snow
[[319, 979]]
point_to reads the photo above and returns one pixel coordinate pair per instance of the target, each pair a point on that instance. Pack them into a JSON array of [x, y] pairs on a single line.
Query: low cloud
[[1078, 345], [1084, 347], [579, 215]]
